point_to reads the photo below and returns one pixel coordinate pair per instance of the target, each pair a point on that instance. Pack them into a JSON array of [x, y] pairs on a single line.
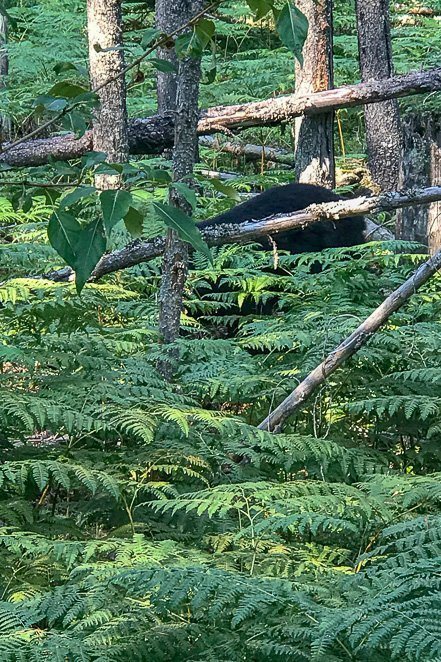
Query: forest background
[[145, 515]]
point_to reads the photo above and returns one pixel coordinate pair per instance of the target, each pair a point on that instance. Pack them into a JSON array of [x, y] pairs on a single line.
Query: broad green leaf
[[81, 247], [50, 103], [149, 36], [260, 7], [184, 226], [134, 222], [163, 65], [74, 121], [77, 194], [62, 67], [89, 249], [93, 158], [109, 169], [115, 204], [187, 193], [159, 175], [66, 89], [204, 30], [229, 191], [27, 203], [192, 44], [63, 232], [292, 26]]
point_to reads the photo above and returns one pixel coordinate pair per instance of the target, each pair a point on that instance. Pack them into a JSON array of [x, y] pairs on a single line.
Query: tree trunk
[[167, 20], [152, 135], [421, 167], [106, 60], [175, 261], [434, 220], [5, 120], [314, 136], [383, 129]]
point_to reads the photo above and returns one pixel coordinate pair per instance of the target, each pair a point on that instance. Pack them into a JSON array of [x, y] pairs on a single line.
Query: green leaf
[[134, 222], [90, 247], [74, 121], [184, 226], [149, 36], [66, 90], [77, 194], [292, 26], [229, 191], [159, 175], [115, 204], [204, 30], [63, 232], [40, 474], [163, 65], [50, 103], [109, 169], [192, 44], [93, 158], [81, 247], [260, 7], [187, 193], [62, 67]]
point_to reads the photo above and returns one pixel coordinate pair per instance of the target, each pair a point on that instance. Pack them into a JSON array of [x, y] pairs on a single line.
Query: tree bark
[[350, 346], [216, 235], [152, 135], [314, 135], [106, 60], [421, 167], [166, 14], [383, 128], [5, 120], [175, 261], [434, 220]]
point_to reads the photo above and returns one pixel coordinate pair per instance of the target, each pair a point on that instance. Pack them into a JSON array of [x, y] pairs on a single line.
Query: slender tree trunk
[[175, 261], [168, 15], [421, 167], [5, 120], [383, 128], [434, 220], [106, 59], [314, 136]]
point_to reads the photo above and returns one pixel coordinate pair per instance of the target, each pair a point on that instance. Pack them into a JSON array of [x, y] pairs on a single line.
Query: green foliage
[[145, 520]]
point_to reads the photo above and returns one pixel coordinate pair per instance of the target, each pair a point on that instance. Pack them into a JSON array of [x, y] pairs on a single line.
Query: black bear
[[290, 198], [313, 238]]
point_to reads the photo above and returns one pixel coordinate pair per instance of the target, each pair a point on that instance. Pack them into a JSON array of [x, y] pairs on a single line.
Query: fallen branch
[[248, 151], [142, 251], [152, 135], [351, 345]]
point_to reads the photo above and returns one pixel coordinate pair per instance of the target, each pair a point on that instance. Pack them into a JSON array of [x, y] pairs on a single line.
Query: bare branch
[[142, 251], [351, 345]]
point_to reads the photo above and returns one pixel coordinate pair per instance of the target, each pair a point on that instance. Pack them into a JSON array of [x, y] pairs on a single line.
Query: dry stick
[[161, 42], [351, 345], [151, 135], [142, 251]]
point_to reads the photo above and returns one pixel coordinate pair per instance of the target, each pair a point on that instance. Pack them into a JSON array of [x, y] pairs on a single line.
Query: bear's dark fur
[[291, 198]]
